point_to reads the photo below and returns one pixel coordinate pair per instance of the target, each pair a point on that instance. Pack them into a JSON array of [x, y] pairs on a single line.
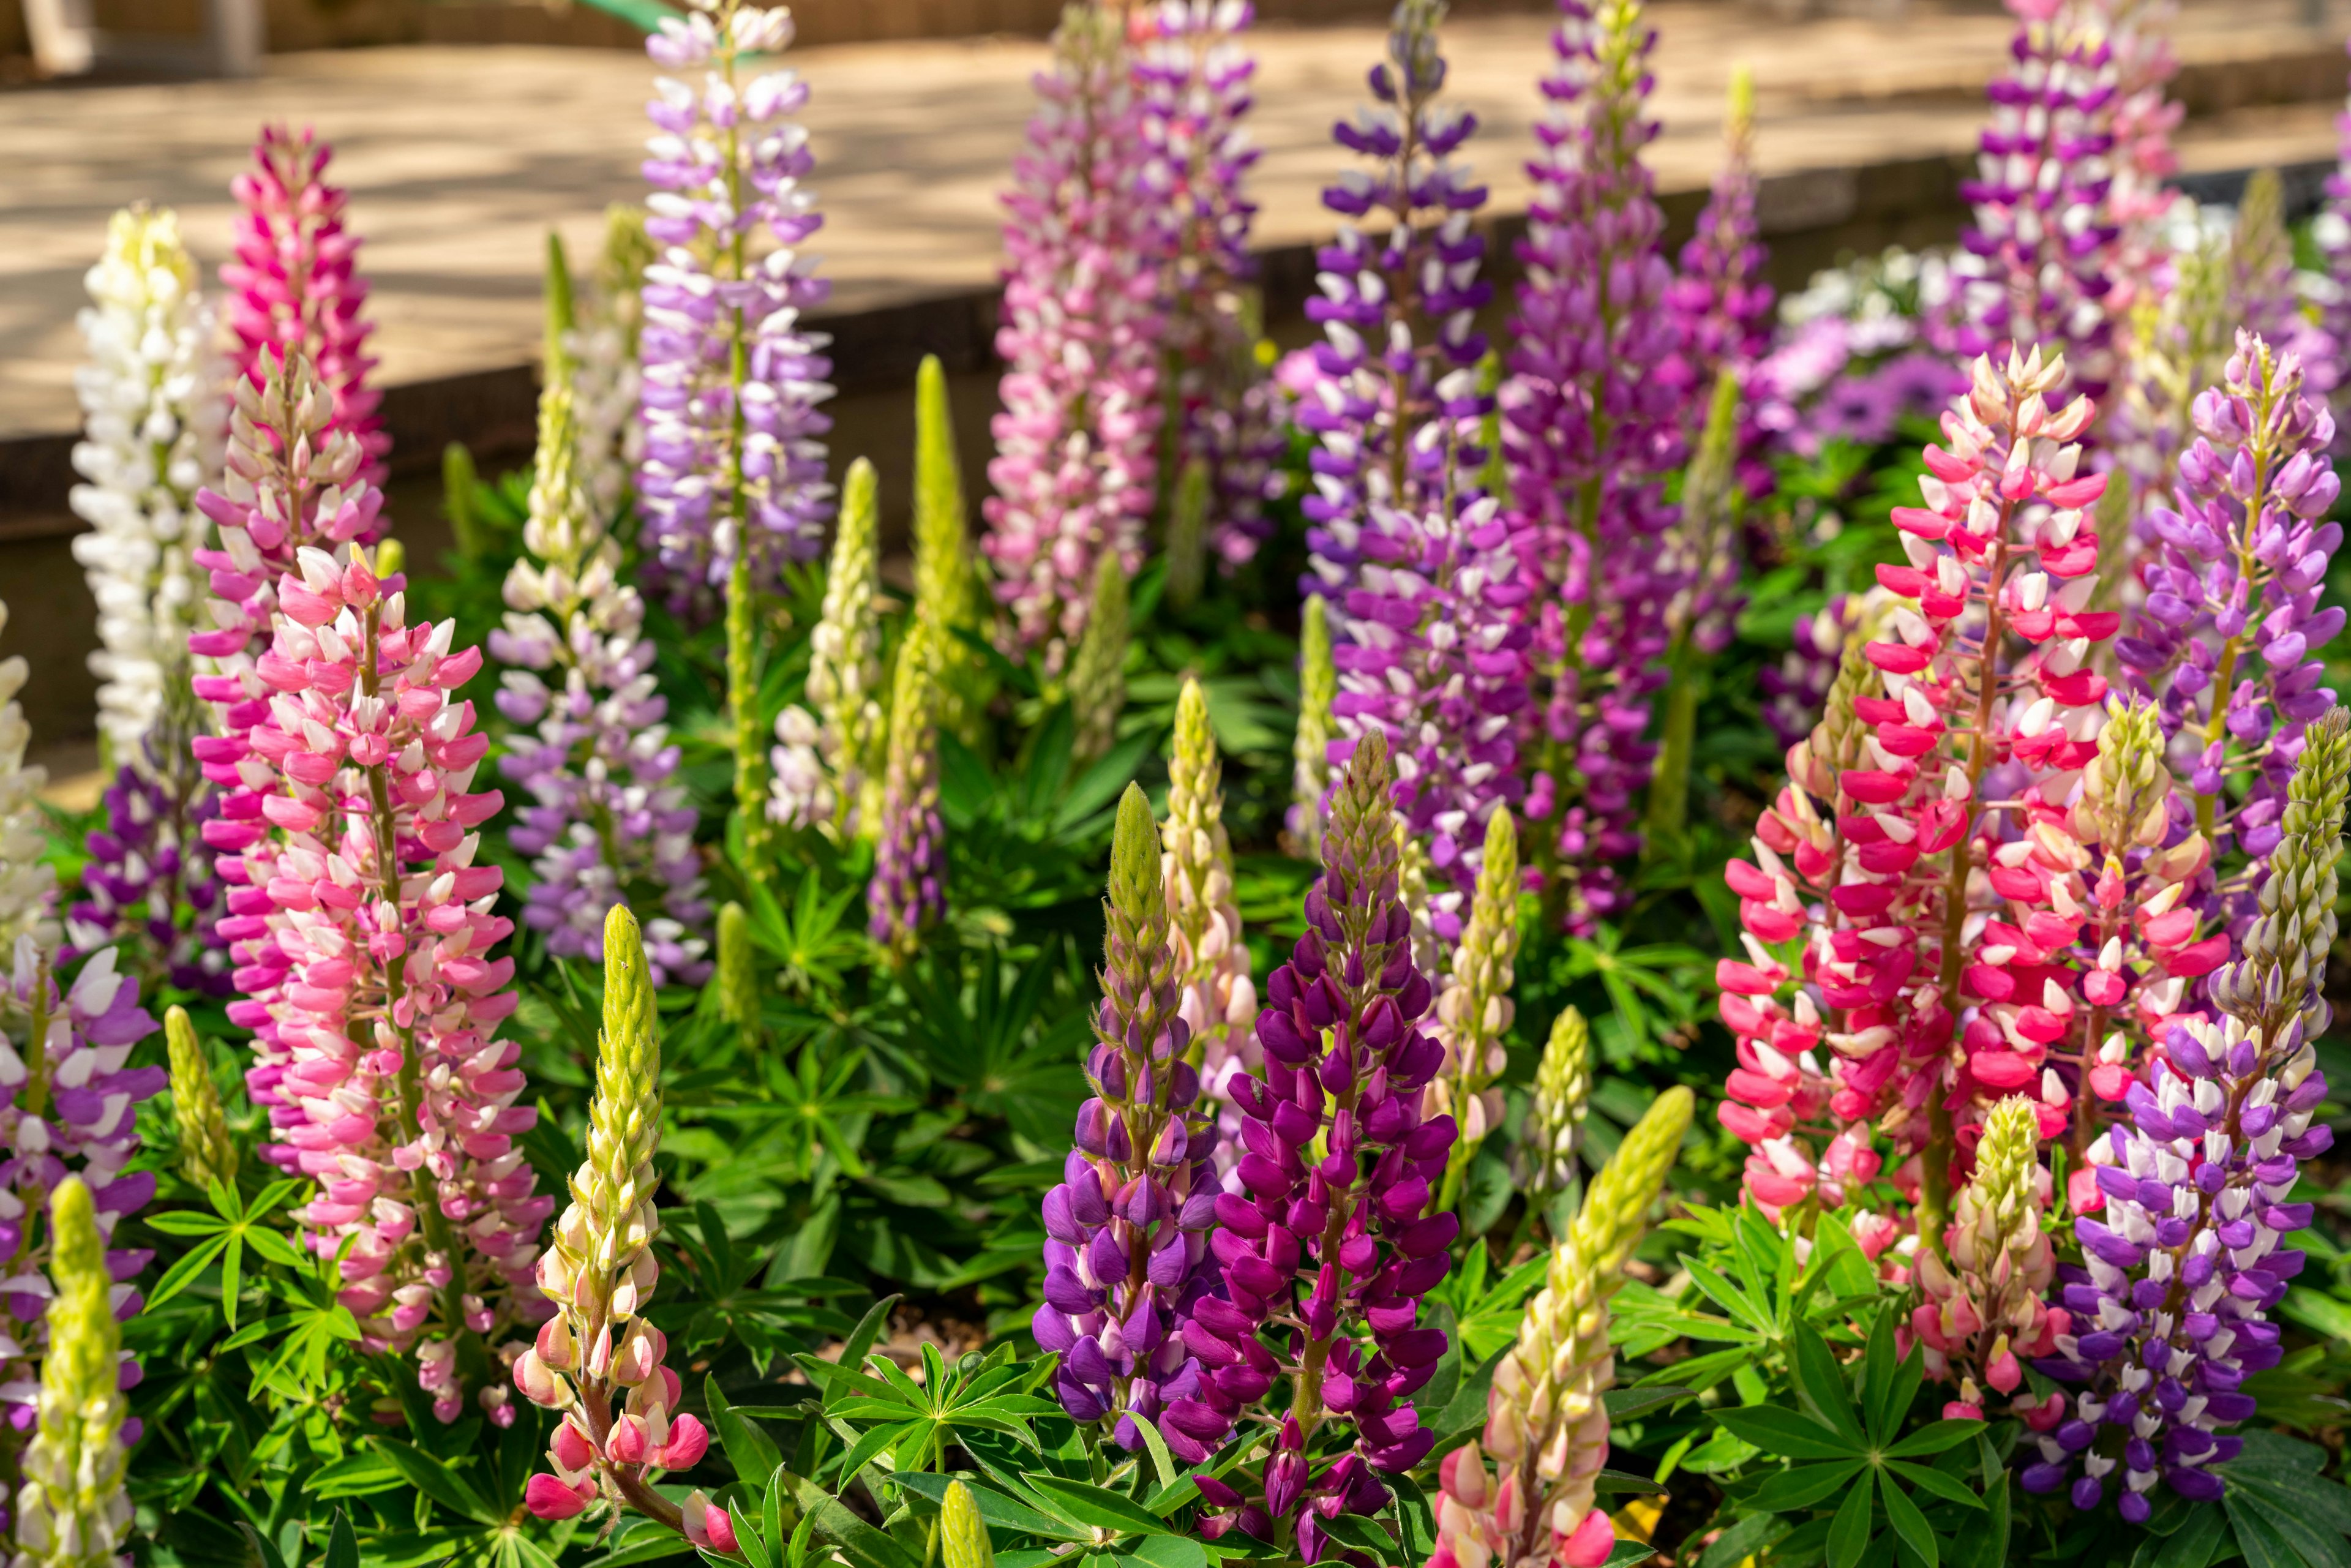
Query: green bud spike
[[1187, 536], [1474, 1010], [1701, 535], [72, 1512], [2259, 250], [2283, 968], [207, 1153], [1318, 685], [1616, 1208], [458, 482], [1563, 1092], [1098, 673], [962, 1534], [562, 316], [1135, 890], [1739, 114], [738, 970], [2125, 789], [616, 1184], [560, 529], [2006, 1161], [947, 590], [1198, 853], [845, 677]]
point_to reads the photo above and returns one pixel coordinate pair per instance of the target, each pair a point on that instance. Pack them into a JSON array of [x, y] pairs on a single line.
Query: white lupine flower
[[152, 420], [24, 880]]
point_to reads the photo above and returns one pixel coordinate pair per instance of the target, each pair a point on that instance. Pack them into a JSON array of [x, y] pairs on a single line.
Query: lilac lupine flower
[[1340, 1243], [2237, 572], [1077, 445], [1422, 571], [2171, 1301], [2332, 232], [2036, 258], [907, 894], [148, 862], [608, 821], [1192, 75], [1592, 417], [734, 452], [1721, 302], [1127, 1251], [68, 1103]]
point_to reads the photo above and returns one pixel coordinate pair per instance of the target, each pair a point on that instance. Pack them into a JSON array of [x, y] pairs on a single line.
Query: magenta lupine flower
[[1127, 1251], [1593, 420], [363, 929], [2039, 251], [1423, 573], [2228, 639], [68, 1106], [1192, 75], [1340, 1243], [1077, 445], [2180, 1272], [734, 455], [297, 285], [145, 864]]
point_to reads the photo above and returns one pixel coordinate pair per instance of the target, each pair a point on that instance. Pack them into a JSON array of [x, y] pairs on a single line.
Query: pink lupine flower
[[297, 283], [1924, 859]]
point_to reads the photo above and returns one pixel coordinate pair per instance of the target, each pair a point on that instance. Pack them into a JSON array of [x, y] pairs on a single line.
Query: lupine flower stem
[[742, 704]]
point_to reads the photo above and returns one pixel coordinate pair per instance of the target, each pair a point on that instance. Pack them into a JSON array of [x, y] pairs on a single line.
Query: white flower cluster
[[602, 348], [24, 880], [152, 425]]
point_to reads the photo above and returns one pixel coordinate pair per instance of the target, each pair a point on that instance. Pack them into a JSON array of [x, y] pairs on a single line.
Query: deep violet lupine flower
[[2228, 639], [363, 930], [1937, 884], [1127, 1250], [299, 286], [1722, 304], [1422, 571], [146, 863], [734, 458], [1593, 420], [608, 823], [1192, 74], [1077, 445], [69, 1101], [2181, 1270], [2036, 258], [1342, 1244]]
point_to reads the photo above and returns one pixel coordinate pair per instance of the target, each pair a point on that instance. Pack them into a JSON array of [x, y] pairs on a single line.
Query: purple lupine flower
[[1077, 445], [1422, 571], [2226, 640], [68, 1105], [2035, 261], [2180, 1272], [2332, 232], [1192, 75], [146, 864], [1592, 417], [734, 452], [1722, 304], [1340, 1244], [1127, 1251]]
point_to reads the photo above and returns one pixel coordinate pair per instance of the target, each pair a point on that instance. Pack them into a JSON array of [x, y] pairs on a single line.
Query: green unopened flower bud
[[72, 1511], [2283, 967], [1361, 831], [458, 482], [2260, 250], [391, 559], [947, 593], [560, 527], [1188, 535], [207, 1154], [1318, 685], [613, 1223], [1474, 1010], [1212, 962], [1098, 672], [844, 678], [2125, 789], [1837, 743], [1617, 1209], [738, 970], [962, 1534], [562, 316], [1562, 1094]]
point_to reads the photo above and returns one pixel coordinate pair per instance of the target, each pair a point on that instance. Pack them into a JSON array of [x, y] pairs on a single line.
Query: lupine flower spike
[[1704, 562], [1098, 673], [1474, 1009], [1722, 305], [1339, 1242], [907, 894], [1077, 445], [1592, 418], [963, 1534], [72, 1511], [1127, 1250], [596, 1361], [1917, 899], [1212, 961], [1554, 1125], [1318, 685], [738, 972], [1981, 1315], [26, 877], [207, 1153], [732, 381], [842, 791], [1545, 1426], [298, 288], [947, 590], [599, 345], [1421, 567], [607, 820], [2183, 1265]]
